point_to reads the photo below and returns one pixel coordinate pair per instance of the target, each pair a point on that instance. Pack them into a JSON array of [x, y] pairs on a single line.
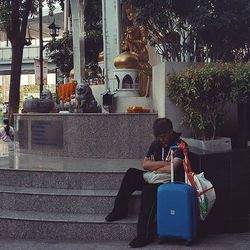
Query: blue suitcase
[[177, 211]]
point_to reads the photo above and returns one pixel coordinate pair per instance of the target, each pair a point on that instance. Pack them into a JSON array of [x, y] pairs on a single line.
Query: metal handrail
[[29, 53]]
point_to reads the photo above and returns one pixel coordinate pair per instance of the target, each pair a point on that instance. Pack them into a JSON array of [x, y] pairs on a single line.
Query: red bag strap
[[186, 162], [187, 165], [204, 191]]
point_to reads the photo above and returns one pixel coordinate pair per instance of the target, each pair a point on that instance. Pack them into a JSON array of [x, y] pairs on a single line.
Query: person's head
[[7, 126], [6, 122], [163, 130]]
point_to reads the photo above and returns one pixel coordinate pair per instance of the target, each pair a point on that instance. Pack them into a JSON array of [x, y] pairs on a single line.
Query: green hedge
[[203, 91]]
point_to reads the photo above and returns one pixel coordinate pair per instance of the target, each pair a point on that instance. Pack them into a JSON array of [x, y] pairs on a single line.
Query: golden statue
[[135, 41]]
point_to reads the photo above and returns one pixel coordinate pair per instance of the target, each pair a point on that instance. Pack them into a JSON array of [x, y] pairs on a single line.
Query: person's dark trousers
[[146, 227], [132, 181]]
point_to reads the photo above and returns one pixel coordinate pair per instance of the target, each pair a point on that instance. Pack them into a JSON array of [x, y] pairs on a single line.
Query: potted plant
[[202, 92]]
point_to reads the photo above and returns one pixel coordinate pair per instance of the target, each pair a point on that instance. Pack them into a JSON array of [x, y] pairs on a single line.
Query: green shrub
[[241, 83], [202, 92]]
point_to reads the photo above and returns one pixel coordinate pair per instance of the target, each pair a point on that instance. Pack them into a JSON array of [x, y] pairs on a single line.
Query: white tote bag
[[205, 193], [205, 190]]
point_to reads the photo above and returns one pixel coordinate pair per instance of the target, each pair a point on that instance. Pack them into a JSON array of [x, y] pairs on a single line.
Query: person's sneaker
[[113, 216], [139, 242]]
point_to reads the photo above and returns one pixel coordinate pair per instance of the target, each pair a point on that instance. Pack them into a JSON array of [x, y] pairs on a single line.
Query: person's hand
[[161, 170], [164, 168]]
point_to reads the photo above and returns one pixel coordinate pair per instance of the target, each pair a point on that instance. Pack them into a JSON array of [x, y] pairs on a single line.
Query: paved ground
[[223, 241]]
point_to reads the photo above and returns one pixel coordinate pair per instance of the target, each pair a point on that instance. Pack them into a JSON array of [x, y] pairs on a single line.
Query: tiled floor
[[214, 242], [13, 160]]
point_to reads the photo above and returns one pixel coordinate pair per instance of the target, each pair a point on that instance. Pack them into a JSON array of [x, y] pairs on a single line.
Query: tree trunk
[[16, 31], [16, 65]]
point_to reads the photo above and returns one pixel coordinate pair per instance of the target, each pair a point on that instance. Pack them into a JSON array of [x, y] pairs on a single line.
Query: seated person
[[133, 180]]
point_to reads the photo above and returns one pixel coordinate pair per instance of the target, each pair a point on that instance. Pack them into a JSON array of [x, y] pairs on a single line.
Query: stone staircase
[[62, 205]]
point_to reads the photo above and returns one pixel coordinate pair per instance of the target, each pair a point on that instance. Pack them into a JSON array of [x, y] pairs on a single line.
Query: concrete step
[[66, 173], [51, 226], [61, 179], [62, 200]]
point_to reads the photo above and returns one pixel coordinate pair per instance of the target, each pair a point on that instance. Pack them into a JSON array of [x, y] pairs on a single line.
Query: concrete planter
[[222, 144], [229, 173]]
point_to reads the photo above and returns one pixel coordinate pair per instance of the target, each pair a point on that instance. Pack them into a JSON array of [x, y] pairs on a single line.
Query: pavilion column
[[77, 10], [111, 10]]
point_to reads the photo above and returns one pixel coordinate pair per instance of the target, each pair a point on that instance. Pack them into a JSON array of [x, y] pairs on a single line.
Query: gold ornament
[[126, 60]]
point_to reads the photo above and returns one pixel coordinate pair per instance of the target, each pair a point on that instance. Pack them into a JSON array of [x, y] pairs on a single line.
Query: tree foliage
[[13, 19], [93, 30], [224, 29], [215, 28], [61, 51]]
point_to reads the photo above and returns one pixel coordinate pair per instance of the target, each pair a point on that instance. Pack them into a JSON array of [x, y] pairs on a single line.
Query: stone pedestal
[[92, 135]]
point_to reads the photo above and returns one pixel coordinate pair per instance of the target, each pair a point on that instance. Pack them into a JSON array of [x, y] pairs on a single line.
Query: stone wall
[[116, 135]]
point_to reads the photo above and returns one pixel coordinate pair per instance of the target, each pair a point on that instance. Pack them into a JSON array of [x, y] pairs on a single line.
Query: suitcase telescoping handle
[[186, 163], [172, 148]]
